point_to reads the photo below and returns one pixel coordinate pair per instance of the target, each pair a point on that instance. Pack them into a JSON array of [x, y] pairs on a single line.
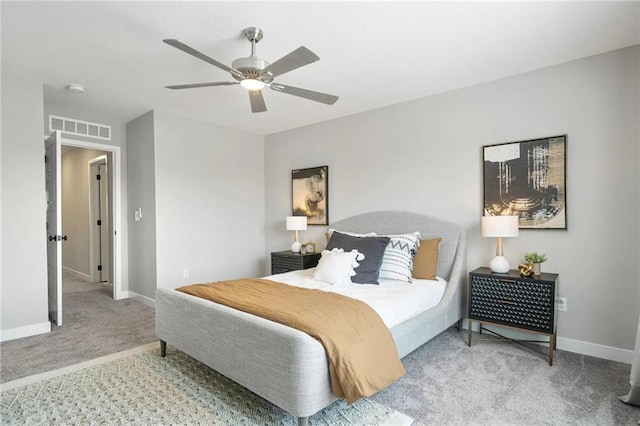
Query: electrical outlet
[[185, 273], [561, 304]]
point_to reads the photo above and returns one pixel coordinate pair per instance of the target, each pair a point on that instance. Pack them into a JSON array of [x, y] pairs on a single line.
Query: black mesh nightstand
[[509, 300], [285, 261]]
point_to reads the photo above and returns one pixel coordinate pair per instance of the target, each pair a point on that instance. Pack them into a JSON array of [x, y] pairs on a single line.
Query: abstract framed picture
[[310, 194], [527, 179]]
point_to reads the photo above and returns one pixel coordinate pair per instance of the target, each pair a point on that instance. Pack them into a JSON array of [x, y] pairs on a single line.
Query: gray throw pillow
[[373, 249]]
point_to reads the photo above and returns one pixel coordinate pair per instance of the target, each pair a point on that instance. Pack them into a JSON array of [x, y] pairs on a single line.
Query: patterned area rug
[[145, 389]]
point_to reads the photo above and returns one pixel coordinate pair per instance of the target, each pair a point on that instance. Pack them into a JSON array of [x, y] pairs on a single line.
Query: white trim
[[595, 350], [75, 126], [35, 378], [75, 273], [26, 331], [142, 299], [571, 345], [117, 209]]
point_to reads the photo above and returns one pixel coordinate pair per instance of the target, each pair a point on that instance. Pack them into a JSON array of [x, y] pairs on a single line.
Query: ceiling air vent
[[80, 128]]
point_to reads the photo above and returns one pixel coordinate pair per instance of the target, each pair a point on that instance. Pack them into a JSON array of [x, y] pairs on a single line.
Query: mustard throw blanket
[[363, 357]]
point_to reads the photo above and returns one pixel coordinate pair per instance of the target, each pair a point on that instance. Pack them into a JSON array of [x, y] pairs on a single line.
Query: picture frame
[[310, 194], [528, 179]]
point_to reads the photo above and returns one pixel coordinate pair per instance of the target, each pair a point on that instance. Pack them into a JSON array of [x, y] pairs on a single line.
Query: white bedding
[[395, 301]]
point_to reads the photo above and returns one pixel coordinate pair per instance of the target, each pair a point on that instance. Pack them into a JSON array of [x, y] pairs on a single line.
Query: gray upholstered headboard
[[396, 222]]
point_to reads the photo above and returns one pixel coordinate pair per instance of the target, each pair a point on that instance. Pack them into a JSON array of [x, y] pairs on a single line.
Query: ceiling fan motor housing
[[251, 67]]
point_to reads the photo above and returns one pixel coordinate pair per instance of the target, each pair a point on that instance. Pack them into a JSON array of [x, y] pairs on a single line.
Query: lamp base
[[295, 247], [499, 265]]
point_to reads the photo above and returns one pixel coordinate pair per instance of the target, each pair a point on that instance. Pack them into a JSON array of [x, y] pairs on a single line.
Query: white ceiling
[[372, 54]]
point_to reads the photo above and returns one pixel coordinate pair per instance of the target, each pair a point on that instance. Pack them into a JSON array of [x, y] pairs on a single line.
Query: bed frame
[[288, 367]]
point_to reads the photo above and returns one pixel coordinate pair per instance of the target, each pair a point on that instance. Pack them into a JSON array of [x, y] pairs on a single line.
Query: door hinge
[[99, 267], [99, 222]]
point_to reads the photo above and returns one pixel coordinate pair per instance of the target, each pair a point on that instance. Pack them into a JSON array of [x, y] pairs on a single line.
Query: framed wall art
[[310, 194], [527, 179]]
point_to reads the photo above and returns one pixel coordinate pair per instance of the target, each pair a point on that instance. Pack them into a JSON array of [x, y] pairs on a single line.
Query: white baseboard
[[571, 345], [76, 273], [7, 386], [595, 350], [26, 331], [142, 299]]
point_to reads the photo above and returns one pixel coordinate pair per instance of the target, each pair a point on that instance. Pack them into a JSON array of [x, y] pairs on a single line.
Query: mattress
[[395, 301]]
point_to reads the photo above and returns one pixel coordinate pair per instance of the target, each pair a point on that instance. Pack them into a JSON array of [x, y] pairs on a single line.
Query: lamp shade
[[499, 226], [296, 223]]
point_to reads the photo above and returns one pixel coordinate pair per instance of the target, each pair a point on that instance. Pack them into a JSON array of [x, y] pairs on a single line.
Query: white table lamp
[[499, 227], [296, 223]]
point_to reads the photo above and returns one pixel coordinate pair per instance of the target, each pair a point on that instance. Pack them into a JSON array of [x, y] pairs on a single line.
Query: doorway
[[109, 234], [111, 243]]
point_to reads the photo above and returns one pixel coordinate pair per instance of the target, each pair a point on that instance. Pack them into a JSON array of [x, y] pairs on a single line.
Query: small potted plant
[[535, 259]]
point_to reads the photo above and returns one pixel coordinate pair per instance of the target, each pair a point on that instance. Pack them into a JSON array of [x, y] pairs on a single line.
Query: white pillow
[[353, 234], [397, 262], [336, 266]]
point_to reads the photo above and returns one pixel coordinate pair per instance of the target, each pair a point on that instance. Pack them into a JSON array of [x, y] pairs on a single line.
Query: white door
[[54, 226]]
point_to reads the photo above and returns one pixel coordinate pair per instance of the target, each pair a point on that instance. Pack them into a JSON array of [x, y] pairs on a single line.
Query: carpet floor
[[146, 389], [449, 383], [93, 325]]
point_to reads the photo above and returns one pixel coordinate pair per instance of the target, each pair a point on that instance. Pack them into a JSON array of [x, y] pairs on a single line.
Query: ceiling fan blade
[[193, 52], [305, 93], [257, 101], [296, 59], [196, 85]]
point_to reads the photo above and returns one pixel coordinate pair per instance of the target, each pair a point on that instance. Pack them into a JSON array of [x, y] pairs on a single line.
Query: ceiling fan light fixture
[[252, 84]]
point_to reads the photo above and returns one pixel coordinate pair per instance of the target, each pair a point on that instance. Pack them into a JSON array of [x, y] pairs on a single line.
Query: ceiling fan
[[254, 73]]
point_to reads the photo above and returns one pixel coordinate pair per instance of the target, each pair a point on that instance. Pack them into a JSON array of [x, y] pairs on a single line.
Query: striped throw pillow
[[397, 261]]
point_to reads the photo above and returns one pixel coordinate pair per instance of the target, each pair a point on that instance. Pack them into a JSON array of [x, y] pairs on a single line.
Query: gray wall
[[23, 289], [209, 201], [75, 208], [141, 192], [201, 189], [426, 156]]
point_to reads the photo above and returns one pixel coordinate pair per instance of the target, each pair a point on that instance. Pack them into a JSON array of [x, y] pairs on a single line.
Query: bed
[[288, 367]]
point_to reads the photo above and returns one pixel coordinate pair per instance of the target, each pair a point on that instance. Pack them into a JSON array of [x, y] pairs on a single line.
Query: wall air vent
[[80, 128]]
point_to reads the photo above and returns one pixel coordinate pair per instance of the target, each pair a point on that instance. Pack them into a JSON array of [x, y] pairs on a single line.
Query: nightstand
[[285, 261], [516, 302]]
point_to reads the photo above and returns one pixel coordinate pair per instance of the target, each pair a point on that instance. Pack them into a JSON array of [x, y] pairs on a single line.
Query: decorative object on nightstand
[[499, 227], [296, 223], [309, 247], [285, 261], [535, 260], [523, 304], [526, 269]]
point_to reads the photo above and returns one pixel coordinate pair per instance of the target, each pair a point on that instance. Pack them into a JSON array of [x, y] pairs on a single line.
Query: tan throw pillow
[[425, 262]]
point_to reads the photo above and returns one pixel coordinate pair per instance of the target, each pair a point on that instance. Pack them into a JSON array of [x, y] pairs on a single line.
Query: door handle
[[52, 238], [57, 237]]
